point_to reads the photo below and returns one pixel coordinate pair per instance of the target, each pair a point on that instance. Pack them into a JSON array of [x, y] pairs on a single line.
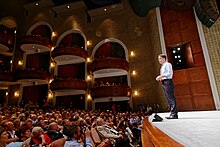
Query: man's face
[[10, 126], [29, 124], [161, 60]]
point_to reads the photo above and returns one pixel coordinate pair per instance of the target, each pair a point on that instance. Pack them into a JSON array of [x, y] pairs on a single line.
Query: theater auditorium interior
[[80, 60]]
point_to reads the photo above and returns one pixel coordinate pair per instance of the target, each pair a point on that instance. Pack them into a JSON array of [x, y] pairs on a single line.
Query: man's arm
[[101, 130], [88, 138]]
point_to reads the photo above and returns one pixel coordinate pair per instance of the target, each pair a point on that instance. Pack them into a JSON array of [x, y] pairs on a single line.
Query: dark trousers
[[122, 142], [168, 88]]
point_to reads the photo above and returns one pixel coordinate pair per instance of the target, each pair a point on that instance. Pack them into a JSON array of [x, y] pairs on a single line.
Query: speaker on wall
[[206, 13], [142, 7]]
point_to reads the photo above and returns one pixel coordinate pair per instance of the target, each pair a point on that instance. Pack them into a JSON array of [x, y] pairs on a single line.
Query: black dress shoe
[[174, 116]]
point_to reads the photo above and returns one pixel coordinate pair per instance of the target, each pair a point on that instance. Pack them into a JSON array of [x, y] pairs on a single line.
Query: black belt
[[170, 80], [167, 80]]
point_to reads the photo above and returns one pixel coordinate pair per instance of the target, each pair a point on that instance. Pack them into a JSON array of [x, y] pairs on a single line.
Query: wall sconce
[[132, 53], [52, 48], [89, 78], [16, 94], [6, 93], [89, 97], [10, 61], [52, 65], [134, 72], [88, 43], [50, 95], [88, 60], [20, 63], [136, 93], [54, 34], [50, 80]]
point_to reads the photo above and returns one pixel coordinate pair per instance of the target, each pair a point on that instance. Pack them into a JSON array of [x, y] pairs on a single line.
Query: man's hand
[[159, 78], [87, 132], [120, 136]]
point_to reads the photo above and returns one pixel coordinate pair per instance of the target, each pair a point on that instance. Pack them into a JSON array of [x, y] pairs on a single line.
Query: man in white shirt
[[106, 131], [166, 75]]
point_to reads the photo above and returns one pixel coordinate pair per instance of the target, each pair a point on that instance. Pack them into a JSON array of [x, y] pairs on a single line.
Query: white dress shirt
[[166, 71]]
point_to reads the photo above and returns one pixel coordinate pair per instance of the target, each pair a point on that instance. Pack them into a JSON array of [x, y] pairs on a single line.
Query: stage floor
[[192, 129]]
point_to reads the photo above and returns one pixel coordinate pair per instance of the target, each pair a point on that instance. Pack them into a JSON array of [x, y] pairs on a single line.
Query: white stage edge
[[192, 129]]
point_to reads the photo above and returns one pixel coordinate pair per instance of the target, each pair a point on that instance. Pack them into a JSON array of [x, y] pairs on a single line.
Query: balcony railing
[[76, 51], [72, 83], [109, 91], [36, 39], [109, 62], [32, 74], [6, 76]]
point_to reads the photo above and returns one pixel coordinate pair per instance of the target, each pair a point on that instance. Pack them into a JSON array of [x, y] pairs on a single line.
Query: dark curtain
[[71, 101], [43, 31], [103, 51], [35, 94], [32, 62], [67, 71], [73, 39]]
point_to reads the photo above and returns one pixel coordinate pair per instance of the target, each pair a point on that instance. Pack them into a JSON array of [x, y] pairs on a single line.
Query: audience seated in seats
[[76, 138], [29, 123], [9, 127], [97, 140], [38, 138], [135, 123], [23, 133], [107, 132], [114, 128], [5, 141], [53, 132], [124, 126]]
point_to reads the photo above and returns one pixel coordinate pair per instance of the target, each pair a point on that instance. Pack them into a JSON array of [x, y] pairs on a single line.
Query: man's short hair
[[72, 129], [163, 56]]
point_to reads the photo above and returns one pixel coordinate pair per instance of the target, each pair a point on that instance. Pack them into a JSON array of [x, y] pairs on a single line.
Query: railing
[[106, 91], [32, 74], [77, 51], [151, 136], [109, 62], [59, 84], [6, 76], [36, 39]]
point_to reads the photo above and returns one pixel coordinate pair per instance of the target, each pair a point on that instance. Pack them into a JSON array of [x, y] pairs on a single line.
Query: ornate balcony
[[110, 91], [6, 76], [62, 84], [71, 53], [32, 74], [109, 64], [35, 44]]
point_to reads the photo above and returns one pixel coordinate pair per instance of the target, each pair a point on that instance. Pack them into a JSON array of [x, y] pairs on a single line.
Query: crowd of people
[[31, 126]]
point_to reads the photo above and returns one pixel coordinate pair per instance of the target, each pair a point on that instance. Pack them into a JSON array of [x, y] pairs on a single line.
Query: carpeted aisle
[[192, 129]]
